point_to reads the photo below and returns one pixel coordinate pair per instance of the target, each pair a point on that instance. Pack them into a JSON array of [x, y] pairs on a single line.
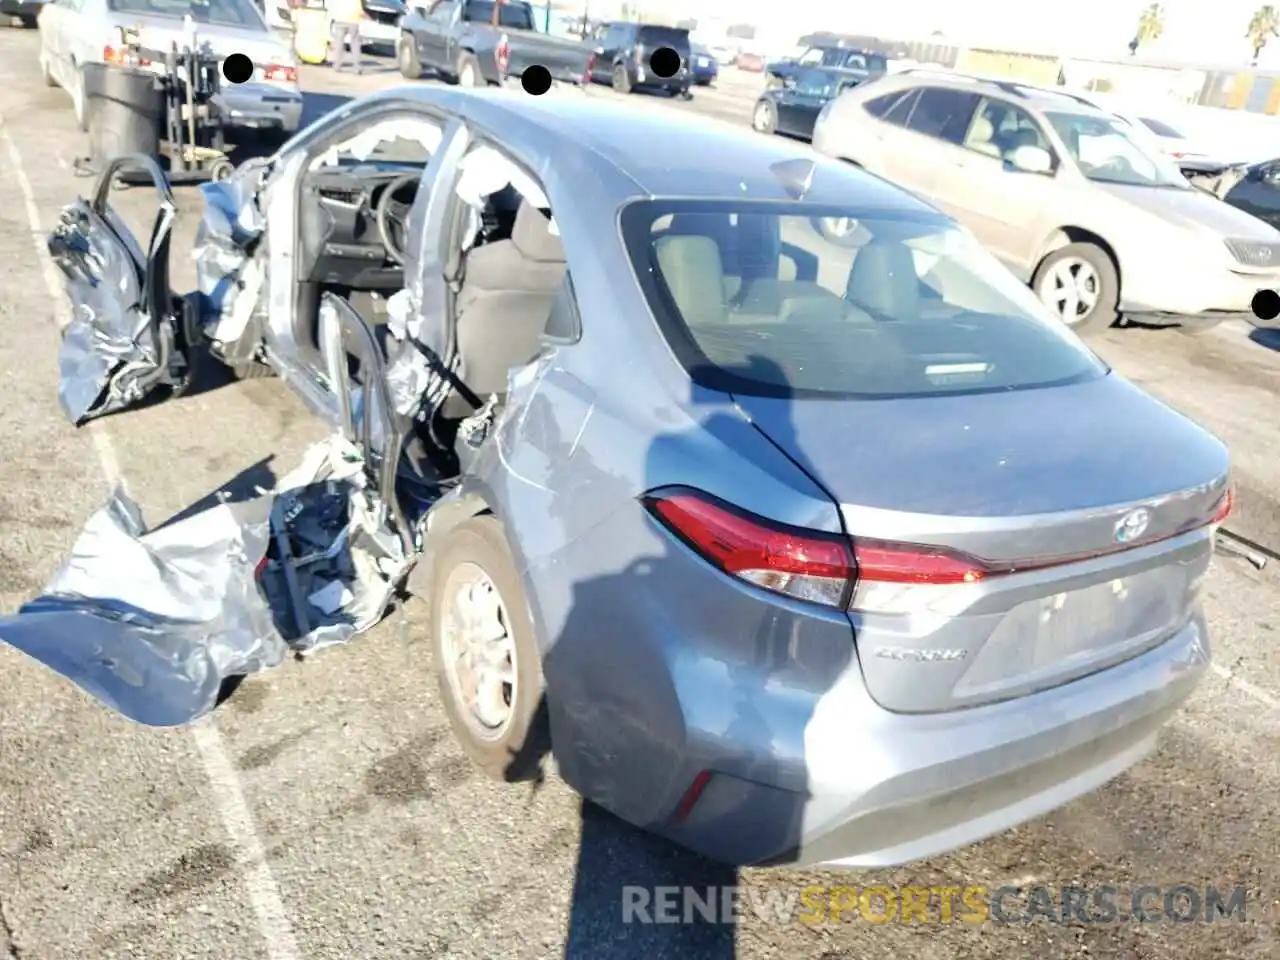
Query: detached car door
[[128, 335]]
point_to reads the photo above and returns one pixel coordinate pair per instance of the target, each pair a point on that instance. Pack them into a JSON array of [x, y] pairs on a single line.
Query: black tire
[[468, 64], [621, 79], [764, 117], [517, 753], [1103, 313], [407, 59]]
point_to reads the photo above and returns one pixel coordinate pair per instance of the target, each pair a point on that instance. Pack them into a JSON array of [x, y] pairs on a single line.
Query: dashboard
[[340, 243]]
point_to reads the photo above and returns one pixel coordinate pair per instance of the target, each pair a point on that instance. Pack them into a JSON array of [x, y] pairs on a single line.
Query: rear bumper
[[263, 106], [886, 789], [668, 670]]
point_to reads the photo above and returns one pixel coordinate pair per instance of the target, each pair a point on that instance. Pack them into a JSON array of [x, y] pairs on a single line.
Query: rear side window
[[514, 16], [799, 300], [879, 106], [899, 111], [943, 114]]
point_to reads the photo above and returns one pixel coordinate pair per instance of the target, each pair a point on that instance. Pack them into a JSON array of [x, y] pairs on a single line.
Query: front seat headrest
[[884, 281], [694, 273], [532, 235]]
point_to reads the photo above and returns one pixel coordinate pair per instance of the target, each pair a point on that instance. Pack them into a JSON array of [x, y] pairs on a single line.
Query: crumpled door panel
[[128, 334], [154, 623], [231, 263]]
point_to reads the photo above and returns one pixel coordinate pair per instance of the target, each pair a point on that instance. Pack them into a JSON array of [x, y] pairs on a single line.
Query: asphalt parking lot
[[325, 812]]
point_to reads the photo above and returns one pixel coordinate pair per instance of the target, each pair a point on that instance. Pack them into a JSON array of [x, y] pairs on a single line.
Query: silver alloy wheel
[[1070, 288], [760, 119], [468, 76], [480, 653]]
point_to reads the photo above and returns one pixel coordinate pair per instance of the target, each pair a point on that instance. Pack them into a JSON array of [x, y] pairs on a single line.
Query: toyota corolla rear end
[[1016, 569]]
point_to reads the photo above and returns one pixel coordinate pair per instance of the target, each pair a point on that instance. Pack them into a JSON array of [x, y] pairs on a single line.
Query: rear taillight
[[281, 73], [802, 564], [503, 53], [1225, 506], [591, 65], [122, 57]]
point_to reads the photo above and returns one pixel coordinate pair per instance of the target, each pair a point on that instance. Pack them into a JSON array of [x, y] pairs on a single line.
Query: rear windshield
[[231, 13], [514, 16], [798, 300], [664, 37]]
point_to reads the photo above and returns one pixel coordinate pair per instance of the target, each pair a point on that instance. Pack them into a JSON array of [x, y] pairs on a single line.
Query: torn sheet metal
[[155, 622], [230, 273], [114, 351]]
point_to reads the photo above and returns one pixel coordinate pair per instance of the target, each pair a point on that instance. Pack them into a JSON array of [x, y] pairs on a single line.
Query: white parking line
[[260, 884], [1245, 687]]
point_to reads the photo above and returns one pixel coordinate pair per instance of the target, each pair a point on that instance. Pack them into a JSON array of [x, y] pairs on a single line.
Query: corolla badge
[[1132, 525]]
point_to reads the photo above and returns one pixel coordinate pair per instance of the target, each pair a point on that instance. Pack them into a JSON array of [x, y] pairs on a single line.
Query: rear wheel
[[486, 658], [407, 59], [468, 71], [764, 119], [1079, 283], [621, 79], [252, 370]]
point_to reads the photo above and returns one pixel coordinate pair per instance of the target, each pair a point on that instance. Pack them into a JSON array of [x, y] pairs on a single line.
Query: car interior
[[507, 272], [874, 310]]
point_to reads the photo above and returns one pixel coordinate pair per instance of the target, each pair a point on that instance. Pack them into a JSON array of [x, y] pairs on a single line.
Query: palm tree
[[1150, 26], [1264, 25]]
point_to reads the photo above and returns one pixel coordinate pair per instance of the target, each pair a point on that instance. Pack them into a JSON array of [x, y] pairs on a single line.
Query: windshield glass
[[231, 13], [1107, 152], [824, 301]]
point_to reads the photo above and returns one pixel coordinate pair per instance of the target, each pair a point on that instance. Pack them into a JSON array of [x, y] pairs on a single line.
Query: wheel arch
[[1065, 235]]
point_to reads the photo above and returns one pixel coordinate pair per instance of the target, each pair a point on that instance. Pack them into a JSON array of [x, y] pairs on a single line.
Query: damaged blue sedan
[[749, 486]]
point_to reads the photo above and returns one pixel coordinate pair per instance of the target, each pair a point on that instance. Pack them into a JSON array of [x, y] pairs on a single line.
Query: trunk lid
[[1089, 505]]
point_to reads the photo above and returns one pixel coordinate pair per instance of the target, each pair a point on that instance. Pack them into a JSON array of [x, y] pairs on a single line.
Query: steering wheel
[[392, 216]]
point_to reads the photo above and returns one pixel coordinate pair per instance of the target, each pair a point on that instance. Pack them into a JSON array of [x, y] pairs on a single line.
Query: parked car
[[726, 54], [867, 64], [624, 52], [614, 465], [704, 65], [380, 28], [78, 32], [1253, 188], [1160, 132], [1061, 192], [793, 108], [749, 62], [482, 42], [24, 11]]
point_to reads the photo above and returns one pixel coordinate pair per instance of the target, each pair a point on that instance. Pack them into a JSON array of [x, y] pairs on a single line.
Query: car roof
[[1027, 94], [700, 157]]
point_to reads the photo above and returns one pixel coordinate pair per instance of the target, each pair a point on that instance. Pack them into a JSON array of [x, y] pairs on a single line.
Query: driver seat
[[505, 300]]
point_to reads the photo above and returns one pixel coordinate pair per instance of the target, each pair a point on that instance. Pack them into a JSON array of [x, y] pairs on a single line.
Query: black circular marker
[[536, 80], [1266, 304], [237, 68], [664, 62]]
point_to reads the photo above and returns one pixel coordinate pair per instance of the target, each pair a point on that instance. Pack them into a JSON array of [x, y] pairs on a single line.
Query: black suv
[[623, 57]]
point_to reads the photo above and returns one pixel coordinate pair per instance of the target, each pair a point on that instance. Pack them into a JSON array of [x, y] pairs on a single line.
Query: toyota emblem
[[1132, 525]]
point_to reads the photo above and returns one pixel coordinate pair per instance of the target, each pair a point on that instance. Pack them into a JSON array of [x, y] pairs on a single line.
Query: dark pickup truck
[[482, 42]]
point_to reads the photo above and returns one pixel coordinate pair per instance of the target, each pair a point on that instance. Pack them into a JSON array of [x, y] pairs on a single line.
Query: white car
[[76, 32]]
